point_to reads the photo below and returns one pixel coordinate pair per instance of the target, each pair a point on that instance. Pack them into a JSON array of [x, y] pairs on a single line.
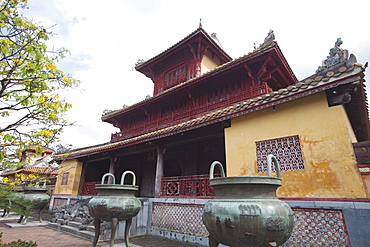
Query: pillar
[[112, 165], [159, 171]]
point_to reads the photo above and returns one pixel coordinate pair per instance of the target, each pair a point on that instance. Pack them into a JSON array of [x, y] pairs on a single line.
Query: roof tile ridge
[[327, 74], [198, 30], [169, 48]]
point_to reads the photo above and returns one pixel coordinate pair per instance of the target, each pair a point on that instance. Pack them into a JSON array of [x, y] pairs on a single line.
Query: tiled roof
[[38, 170], [311, 85], [209, 73], [44, 149], [173, 47]]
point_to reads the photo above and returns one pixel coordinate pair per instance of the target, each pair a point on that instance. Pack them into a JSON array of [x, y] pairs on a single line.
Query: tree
[[30, 108]]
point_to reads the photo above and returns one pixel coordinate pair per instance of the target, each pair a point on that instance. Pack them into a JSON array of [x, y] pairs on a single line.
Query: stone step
[[78, 224], [72, 228], [77, 219], [88, 235]]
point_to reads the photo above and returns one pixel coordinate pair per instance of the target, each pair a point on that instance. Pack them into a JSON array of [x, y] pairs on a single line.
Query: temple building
[[207, 106], [36, 165]]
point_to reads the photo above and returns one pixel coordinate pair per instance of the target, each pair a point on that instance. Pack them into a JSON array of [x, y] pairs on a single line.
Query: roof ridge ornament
[[336, 55], [214, 37], [139, 61], [200, 23], [269, 40]]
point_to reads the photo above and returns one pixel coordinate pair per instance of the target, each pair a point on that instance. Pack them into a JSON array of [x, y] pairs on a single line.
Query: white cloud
[[106, 39]]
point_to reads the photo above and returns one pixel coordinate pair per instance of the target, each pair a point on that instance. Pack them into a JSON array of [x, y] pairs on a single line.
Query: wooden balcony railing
[[196, 186], [187, 186], [88, 189], [188, 114]]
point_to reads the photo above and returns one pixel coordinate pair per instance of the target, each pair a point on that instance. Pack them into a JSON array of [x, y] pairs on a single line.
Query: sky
[[106, 38]]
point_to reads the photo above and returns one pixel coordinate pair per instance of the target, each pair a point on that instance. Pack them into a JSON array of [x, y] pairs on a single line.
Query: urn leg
[[127, 229], [97, 232], [113, 231], [24, 221], [212, 241], [20, 219], [40, 215]]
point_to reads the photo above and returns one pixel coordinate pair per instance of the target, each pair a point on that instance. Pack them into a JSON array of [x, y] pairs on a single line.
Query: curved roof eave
[[182, 42], [352, 74]]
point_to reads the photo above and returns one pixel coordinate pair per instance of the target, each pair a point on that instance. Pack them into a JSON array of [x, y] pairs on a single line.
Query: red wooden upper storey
[[182, 61], [179, 98]]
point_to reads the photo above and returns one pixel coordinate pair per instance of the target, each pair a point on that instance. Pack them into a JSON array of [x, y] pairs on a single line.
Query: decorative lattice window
[[65, 178], [286, 150], [175, 76]]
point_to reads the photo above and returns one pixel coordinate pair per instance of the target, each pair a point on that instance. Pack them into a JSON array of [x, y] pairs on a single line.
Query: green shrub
[[20, 243], [17, 243]]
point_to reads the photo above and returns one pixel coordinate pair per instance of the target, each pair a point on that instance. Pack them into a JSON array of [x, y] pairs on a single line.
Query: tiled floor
[[45, 237]]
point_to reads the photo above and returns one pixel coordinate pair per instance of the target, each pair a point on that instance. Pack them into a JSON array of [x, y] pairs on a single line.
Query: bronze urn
[[37, 197], [245, 210], [114, 202]]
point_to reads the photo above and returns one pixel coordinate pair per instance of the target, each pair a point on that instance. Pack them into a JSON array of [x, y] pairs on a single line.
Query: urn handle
[[272, 158], [133, 177], [212, 169], [108, 174]]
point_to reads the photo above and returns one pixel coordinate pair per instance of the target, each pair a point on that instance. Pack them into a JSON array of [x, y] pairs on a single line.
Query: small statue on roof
[[270, 38], [336, 55], [139, 61]]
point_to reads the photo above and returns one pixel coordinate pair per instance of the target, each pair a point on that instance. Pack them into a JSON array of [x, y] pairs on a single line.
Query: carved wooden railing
[[187, 186], [196, 186], [88, 188], [187, 114]]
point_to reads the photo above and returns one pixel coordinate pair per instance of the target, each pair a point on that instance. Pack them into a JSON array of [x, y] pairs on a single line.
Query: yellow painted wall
[[326, 143], [74, 168], [208, 63]]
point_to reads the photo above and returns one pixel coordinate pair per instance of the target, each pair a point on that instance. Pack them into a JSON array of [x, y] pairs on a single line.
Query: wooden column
[[112, 165], [83, 176], [159, 171]]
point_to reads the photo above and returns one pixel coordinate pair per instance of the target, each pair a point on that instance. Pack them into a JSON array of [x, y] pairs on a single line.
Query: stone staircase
[[73, 228], [76, 220]]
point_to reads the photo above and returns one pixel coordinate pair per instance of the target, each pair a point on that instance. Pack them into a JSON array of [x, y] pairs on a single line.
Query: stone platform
[[29, 224], [123, 245]]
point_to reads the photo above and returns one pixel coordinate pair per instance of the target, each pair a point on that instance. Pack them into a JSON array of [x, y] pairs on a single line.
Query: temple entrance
[[95, 170], [172, 168]]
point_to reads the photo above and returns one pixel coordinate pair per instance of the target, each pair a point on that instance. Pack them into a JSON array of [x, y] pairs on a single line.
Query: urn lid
[[116, 187], [247, 180], [121, 186]]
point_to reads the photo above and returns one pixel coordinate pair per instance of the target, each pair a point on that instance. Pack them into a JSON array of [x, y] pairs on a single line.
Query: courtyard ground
[[46, 237]]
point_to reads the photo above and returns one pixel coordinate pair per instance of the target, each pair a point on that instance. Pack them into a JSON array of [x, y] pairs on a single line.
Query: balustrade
[[88, 189], [187, 186], [181, 114], [182, 186], [187, 114]]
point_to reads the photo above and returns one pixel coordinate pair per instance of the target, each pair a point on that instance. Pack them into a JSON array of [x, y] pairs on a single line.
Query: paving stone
[[53, 237], [28, 224]]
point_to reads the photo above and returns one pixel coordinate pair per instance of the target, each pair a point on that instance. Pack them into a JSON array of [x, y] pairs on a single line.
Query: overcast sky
[[107, 37]]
